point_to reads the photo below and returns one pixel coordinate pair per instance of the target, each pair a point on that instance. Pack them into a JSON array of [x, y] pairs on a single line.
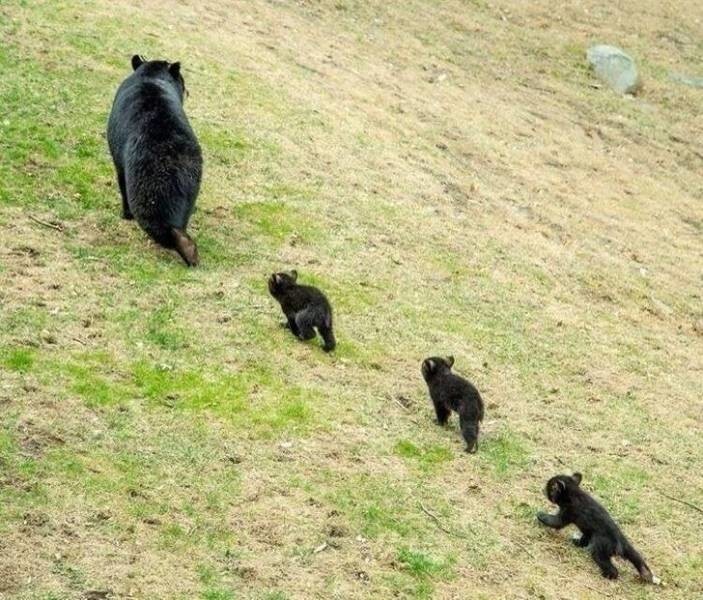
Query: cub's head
[[280, 282], [560, 487], [163, 69], [433, 366]]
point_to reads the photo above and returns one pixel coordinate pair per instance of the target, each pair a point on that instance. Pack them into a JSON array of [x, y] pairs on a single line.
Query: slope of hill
[[457, 181]]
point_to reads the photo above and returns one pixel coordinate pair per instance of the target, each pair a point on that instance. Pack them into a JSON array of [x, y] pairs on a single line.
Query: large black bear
[[156, 154]]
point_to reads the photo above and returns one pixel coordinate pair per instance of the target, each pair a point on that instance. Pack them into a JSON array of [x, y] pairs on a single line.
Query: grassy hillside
[[455, 179]]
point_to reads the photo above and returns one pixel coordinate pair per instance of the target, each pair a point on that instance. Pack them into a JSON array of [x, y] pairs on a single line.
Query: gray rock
[[687, 79], [615, 68]]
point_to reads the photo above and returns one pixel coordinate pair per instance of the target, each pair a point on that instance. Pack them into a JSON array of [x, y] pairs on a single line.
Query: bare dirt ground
[[459, 183]]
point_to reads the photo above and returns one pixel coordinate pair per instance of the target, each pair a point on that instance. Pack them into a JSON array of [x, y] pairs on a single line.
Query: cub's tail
[[636, 559], [327, 335]]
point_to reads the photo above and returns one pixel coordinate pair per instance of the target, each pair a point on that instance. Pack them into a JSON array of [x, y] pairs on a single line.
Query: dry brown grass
[[448, 173]]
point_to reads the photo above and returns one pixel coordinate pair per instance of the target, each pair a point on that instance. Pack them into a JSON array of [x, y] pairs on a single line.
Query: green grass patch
[[20, 360], [212, 582], [73, 575], [376, 505], [255, 396], [504, 453], [162, 329], [424, 568], [427, 457], [162, 429], [25, 322], [218, 594], [63, 463], [276, 221], [275, 595], [423, 564], [95, 389], [93, 376], [619, 489], [133, 256], [7, 446], [227, 147], [55, 160], [191, 389]]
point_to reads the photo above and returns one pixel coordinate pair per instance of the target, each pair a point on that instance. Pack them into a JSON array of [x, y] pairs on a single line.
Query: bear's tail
[[173, 238], [185, 246]]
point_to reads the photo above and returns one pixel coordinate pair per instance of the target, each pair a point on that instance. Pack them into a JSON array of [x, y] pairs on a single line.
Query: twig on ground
[[689, 504], [601, 592], [437, 522], [522, 547], [250, 307], [399, 403], [46, 223], [405, 408]]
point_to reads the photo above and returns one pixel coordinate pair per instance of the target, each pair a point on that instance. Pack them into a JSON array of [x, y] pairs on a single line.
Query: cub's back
[[455, 389], [592, 516], [303, 296]]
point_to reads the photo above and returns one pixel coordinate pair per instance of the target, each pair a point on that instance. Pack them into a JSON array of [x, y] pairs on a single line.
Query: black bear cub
[[156, 154], [450, 392], [599, 533], [305, 307]]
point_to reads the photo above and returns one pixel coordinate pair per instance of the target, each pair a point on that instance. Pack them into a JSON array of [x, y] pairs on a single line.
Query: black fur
[[599, 533], [156, 154], [450, 392], [305, 307]]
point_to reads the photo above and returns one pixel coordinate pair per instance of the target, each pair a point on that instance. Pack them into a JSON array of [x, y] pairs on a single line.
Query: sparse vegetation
[[446, 173]]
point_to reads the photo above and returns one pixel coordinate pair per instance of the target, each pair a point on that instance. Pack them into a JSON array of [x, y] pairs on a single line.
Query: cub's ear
[[450, 361], [137, 61], [556, 487], [175, 70], [277, 278], [294, 275], [431, 365], [577, 478]]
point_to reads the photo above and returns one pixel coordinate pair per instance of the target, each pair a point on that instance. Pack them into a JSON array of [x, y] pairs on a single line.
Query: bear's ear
[[450, 361], [577, 478], [294, 275], [175, 70], [431, 366], [277, 278], [137, 61]]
